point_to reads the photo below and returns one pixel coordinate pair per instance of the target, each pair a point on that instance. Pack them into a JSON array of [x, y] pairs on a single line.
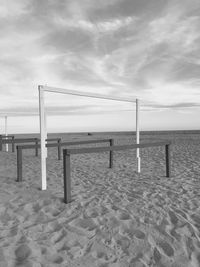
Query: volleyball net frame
[[43, 125]]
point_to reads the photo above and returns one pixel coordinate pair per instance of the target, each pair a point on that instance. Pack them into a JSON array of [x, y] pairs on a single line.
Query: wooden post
[[19, 164], [168, 161], [1, 143], [36, 146], [111, 154], [13, 144], [66, 177], [6, 131], [59, 149], [138, 137]]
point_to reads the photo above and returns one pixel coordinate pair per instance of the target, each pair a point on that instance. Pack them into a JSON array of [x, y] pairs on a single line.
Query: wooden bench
[[59, 144], [14, 141], [68, 152]]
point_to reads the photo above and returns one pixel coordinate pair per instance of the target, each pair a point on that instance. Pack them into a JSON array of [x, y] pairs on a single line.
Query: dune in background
[[117, 218]]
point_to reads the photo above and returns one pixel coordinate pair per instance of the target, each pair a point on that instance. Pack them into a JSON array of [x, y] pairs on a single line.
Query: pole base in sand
[[138, 165]]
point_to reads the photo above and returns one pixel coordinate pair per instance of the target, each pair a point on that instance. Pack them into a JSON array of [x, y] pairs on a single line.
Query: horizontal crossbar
[[25, 140], [86, 94], [65, 143], [112, 148], [52, 139], [7, 136]]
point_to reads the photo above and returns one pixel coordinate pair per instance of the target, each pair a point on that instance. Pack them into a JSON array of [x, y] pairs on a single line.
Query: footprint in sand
[[92, 213], [123, 243], [173, 217], [54, 226], [122, 215], [139, 234], [43, 250], [87, 224], [162, 246], [196, 220], [98, 254], [156, 255], [22, 253], [166, 248], [55, 259], [128, 232], [58, 236], [2, 258], [104, 257], [136, 261]]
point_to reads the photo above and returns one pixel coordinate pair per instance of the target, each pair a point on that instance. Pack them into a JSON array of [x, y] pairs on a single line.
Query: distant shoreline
[[163, 132]]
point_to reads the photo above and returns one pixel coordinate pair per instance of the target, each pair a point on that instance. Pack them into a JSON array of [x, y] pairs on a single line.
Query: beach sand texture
[[117, 218]]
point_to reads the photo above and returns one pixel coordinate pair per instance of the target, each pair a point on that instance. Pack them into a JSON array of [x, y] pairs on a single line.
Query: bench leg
[[168, 161], [1, 143], [59, 150], [111, 154], [13, 144], [19, 164], [36, 147], [66, 177]]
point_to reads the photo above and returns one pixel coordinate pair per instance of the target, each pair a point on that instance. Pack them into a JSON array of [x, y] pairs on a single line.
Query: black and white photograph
[[100, 133]]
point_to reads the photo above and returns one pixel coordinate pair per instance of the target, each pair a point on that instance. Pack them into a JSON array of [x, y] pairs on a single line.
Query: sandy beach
[[118, 218]]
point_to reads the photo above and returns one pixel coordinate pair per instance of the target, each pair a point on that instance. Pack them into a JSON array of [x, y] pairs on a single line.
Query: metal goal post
[[43, 128]]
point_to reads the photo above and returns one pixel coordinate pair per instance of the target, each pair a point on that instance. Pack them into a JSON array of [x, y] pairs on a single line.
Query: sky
[[146, 49]]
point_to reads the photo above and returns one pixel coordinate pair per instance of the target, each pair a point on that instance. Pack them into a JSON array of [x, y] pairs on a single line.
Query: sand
[[117, 218]]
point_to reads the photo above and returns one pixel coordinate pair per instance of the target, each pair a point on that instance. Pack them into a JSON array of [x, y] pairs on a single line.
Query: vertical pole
[[6, 131], [36, 147], [138, 136], [1, 143], [19, 164], [45, 123], [13, 144], [167, 158], [59, 149], [111, 154], [43, 137], [66, 176]]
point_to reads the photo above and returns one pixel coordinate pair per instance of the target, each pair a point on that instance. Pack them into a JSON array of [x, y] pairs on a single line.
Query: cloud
[[184, 71], [146, 48], [173, 106], [126, 8], [12, 9]]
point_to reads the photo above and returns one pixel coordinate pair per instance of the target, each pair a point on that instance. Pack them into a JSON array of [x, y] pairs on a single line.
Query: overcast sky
[[144, 48]]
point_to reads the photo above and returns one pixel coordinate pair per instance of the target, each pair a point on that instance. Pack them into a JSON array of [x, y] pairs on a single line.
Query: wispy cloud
[[146, 48]]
